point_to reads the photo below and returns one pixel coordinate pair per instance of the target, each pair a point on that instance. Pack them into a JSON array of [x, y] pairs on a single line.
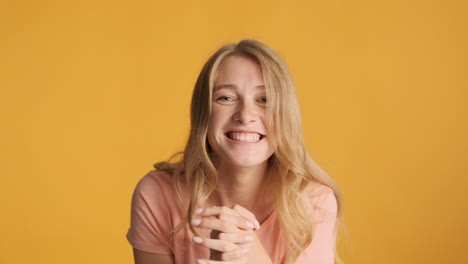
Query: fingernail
[[198, 211], [257, 224], [199, 261], [244, 250], [249, 225], [197, 240], [249, 238], [195, 222]]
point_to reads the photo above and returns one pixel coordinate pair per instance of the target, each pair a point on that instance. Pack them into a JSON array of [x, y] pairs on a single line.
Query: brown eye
[[263, 100]]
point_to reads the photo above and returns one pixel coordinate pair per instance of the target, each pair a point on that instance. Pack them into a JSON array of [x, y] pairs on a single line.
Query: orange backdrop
[[94, 92]]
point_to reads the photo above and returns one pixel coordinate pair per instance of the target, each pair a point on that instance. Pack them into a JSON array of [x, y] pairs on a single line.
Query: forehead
[[238, 70]]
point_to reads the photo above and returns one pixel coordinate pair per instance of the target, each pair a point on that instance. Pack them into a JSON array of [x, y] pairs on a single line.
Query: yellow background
[[94, 92]]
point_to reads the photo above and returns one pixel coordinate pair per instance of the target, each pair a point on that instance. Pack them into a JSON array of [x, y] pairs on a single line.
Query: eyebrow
[[231, 86]]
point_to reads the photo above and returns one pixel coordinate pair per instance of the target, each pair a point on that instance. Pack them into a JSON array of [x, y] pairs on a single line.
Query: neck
[[245, 186]]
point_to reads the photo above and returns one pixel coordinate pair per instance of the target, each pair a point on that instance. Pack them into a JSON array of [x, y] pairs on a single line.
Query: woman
[[244, 190]]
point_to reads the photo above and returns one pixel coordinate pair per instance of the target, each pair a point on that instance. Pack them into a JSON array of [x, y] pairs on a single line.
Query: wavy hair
[[290, 166]]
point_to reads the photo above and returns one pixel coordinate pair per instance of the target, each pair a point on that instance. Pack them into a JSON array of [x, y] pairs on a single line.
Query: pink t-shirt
[[155, 213]]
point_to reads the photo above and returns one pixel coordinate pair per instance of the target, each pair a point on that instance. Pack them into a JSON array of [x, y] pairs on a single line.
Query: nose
[[245, 113]]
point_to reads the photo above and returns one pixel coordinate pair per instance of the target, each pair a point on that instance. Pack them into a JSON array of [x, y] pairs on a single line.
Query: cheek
[[215, 126], [218, 119]]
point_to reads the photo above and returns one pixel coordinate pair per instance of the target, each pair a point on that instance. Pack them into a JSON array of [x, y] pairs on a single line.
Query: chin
[[247, 162]]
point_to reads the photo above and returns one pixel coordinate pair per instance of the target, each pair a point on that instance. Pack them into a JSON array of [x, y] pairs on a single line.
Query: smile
[[251, 137]]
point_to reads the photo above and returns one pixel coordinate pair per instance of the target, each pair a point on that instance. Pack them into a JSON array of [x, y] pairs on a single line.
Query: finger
[[215, 224], [216, 244], [238, 221], [215, 210], [234, 255], [226, 213], [236, 237], [206, 261], [246, 214]]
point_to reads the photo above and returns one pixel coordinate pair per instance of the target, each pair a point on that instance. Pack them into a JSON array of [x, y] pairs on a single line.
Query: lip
[[244, 142], [245, 131], [262, 136]]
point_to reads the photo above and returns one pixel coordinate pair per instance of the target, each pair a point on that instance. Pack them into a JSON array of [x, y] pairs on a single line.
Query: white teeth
[[247, 137]]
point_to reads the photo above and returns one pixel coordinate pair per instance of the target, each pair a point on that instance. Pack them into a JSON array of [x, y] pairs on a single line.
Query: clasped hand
[[233, 239]]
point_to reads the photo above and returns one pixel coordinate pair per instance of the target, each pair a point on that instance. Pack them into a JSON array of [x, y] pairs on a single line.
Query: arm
[[142, 257], [150, 224], [321, 249]]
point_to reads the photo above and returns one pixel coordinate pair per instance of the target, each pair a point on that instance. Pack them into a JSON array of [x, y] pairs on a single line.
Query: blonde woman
[[244, 190]]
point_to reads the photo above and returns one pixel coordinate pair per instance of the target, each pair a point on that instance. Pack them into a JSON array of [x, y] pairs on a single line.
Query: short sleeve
[[150, 223], [321, 249]]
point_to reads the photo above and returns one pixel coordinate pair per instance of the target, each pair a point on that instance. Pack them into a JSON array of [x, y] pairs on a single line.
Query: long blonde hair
[[291, 167]]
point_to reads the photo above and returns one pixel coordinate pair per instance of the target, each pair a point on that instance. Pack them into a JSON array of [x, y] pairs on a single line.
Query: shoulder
[[159, 188], [152, 213], [153, 188], [154, 179], [322, 198]]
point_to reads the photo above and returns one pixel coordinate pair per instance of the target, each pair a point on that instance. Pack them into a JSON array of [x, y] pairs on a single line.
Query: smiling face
[[237, 131]]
